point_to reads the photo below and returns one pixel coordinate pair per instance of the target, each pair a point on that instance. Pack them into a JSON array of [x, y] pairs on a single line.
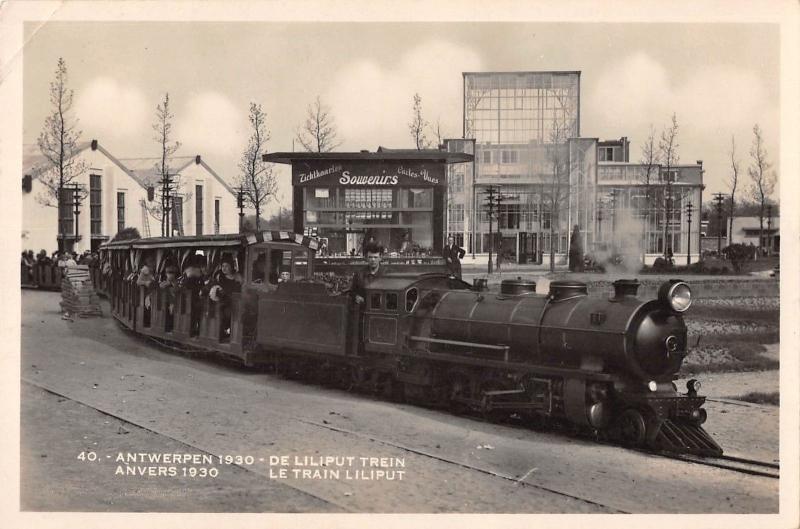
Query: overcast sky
[[720, 79]]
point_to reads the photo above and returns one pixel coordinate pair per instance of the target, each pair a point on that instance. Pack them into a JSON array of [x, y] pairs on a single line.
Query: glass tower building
[[524, 130]]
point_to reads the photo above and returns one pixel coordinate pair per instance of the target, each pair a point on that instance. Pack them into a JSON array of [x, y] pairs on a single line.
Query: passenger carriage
[[256, 258]]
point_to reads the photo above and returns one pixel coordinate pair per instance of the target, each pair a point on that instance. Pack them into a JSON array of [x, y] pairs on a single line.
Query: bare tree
[[166, 183], [668, 150], [558, 186], [256, 180], [734, 180], [58, 142], [763, 179], [318, 133], [438, 131], [650, 161], [472, 100], [418, 125]]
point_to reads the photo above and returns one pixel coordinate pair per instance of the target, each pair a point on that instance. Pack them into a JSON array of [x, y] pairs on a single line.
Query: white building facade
[[746, 230], [204, 204], [115, 196]]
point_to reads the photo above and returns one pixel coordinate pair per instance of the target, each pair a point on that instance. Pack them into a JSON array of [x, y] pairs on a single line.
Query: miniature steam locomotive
[[603, 365]]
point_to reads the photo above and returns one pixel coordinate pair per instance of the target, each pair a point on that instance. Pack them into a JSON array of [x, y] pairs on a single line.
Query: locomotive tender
[[603, 365]]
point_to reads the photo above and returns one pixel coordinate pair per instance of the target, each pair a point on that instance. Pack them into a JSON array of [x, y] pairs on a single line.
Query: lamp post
[[689, 209]]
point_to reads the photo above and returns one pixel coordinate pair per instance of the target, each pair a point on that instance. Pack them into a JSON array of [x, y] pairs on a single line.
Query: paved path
[[451, 464]]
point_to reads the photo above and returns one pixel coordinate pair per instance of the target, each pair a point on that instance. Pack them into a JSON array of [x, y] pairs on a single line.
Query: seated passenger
[[193, 282], [259, 269], [169, 285], [146, 280], [284, 275], [226, 283]]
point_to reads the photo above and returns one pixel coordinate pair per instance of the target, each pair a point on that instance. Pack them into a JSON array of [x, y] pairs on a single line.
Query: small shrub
[[737, 254], [661, 265]]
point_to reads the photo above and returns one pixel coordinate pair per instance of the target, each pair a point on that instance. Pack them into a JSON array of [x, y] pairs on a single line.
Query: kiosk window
[[375, 301], [391, 301]]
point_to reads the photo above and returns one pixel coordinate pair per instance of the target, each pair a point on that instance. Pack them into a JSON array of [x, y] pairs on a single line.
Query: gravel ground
[[748, 303], [699, 327], [708, 355]]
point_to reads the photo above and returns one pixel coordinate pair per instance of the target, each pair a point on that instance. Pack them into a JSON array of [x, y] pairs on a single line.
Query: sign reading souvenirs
[[367, 173]]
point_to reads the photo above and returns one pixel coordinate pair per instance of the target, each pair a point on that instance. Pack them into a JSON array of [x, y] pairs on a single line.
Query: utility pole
[[613, 221], [240, 205], [689, 209], [668, 216], [600, 221], [769, 229], [167, 204], [77, 197], [719, 198], [491, 204]]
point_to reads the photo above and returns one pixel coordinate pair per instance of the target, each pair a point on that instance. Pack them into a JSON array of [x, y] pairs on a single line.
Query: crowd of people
[[62, 259], [216, 287]]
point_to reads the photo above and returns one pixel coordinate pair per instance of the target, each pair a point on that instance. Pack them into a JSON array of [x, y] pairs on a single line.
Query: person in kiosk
[[453, 255]]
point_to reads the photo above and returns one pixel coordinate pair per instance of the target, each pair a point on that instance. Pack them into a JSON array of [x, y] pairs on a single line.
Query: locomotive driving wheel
[[632, 427]]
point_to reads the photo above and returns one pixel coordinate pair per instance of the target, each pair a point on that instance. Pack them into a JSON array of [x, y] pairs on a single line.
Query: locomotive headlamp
[[652, 385], [676, 294]]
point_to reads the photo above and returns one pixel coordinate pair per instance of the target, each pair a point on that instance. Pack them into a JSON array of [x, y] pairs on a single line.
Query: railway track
[[736, 464]]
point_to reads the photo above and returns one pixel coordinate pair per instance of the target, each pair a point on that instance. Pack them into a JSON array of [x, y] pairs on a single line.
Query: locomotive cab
[[391, 301]]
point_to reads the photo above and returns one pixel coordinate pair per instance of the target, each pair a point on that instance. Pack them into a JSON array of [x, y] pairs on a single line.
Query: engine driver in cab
[[362, 278]]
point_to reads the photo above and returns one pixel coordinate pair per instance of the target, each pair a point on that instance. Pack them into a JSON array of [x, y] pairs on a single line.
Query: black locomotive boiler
[[604, 365]]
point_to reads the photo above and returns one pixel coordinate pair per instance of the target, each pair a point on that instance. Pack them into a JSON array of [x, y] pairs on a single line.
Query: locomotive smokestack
[[515, 287], [625, 287]]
